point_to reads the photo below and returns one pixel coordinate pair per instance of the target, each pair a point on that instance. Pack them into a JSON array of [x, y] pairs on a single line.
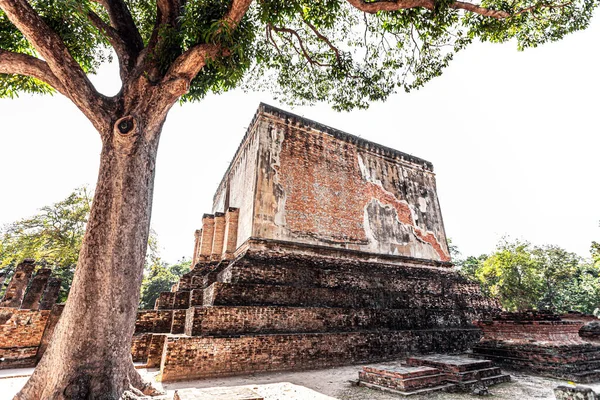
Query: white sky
[[514, 138]]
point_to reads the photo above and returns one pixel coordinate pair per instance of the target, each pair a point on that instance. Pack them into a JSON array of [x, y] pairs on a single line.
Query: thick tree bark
[[89, 356]]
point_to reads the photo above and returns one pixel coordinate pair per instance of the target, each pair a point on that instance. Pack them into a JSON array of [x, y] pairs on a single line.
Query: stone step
[[583, 372], [191, 357], [477, 374], [401, 372], [233, 320], [233, 393], [390, 278], [592, 376], [223, 294], [487, 381], [450, 364], [424, 391], [434, 378]]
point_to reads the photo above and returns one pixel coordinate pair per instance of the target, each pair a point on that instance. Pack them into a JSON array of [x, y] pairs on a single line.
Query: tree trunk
[[89, 356]]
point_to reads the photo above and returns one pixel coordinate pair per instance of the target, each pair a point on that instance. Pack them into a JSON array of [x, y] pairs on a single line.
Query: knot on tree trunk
[[125, 126]]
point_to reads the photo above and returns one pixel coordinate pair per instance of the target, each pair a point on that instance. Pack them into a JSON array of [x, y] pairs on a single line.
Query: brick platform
[[289, 324], [421, 375], [540, 343]]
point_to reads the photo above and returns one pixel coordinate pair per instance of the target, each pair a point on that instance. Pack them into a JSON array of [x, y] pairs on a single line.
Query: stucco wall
[[334, 189], [238, 186]]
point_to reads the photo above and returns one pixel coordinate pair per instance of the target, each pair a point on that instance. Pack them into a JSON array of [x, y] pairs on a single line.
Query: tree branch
[[395, 5], [122, 21], [324, 39], [304, 52], [384, 5], [188, 64], [51, 48], [23, 64], [115, 40]]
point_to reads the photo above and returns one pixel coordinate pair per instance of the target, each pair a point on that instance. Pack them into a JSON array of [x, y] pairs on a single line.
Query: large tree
[[346, 52]]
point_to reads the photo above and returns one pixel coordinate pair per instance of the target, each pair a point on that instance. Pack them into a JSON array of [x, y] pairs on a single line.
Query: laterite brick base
[[540, 343], [261, 313]]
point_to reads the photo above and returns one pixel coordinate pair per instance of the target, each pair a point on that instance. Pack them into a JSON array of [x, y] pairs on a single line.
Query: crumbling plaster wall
[[238, 185], [337, 190]]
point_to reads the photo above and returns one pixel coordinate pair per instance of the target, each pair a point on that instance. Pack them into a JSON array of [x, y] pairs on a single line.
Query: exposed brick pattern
[[140, 345], [154, 321], [165, 301], [156, 350], [20, 335], [231, 232], [197, 243], [218, 237], [206, 244], [208, 321], [540, 343], [18, 285], [31, 300], [51, 294], [197, 357], [178, 324]]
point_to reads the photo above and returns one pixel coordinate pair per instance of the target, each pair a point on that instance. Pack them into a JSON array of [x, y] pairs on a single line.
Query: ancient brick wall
[[299, 181], [20, 335], [195, 357], [153, 321]]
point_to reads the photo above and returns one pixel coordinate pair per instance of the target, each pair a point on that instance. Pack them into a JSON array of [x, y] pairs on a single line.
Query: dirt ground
[[327, 384]]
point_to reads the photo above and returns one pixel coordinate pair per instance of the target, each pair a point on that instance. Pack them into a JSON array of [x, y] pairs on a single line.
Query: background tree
[[522, 277], [52, 237], [159, 277], [511, 275], [345, 52]]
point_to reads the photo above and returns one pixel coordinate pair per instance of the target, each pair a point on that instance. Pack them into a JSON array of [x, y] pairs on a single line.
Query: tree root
[[139, 388]]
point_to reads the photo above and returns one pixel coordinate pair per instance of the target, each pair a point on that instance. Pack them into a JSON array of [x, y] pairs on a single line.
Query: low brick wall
[[20, 335], [140, 345], [197, 357], [154, 321]]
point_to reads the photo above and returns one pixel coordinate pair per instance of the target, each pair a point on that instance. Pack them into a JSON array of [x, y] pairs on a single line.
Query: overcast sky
[[513, 136]]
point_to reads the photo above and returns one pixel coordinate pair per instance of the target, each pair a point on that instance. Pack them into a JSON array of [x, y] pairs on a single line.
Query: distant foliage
[[522, 276], [159, 277], [53, 238]]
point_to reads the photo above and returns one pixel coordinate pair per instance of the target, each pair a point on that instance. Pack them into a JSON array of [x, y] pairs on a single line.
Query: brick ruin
[[28, 314], [322, 249], [541, 343], [433, 373]]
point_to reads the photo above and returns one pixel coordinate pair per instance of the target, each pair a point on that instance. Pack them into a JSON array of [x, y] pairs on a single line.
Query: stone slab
[[444, 387], [403, 372], [446, 363], [217, 394]]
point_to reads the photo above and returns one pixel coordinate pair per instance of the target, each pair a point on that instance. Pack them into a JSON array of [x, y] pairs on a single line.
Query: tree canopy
[[348, 53], [522, 277]]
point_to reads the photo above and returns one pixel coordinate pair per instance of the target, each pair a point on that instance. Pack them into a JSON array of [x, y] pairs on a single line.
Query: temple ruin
[[28, 314], [321, 249]]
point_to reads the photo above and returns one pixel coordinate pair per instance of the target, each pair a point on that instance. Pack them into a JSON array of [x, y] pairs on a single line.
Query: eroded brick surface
[[195, 357]]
